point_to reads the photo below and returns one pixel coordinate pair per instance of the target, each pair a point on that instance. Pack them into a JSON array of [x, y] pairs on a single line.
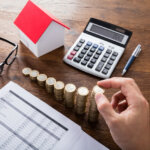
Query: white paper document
[[27, 123]]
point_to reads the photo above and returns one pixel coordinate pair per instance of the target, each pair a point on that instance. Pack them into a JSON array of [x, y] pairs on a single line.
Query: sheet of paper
[[28, 123]]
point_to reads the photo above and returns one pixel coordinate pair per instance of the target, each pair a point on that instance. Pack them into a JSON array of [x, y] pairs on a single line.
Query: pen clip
[[137, 52]]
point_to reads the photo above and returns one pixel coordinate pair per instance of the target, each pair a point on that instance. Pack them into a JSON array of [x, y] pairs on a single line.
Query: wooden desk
[[132, 15]]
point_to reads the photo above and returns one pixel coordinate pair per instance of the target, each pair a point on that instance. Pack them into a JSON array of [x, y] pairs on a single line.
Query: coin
[[69, 94], [59, 90], [81, 99], [50, 84], [93, 112], [41, 78], [26, 71], [34, 74]]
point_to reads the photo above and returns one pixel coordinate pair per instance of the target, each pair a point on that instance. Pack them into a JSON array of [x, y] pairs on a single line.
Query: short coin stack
[[59, 90], [50, 84], [69, 94], [41, 78], [26, 71], [34, 74], [81, 99], [93, 112]]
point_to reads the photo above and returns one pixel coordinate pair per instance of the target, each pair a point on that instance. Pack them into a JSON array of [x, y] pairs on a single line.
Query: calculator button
[[104, 59], [86, 47], [79, 44], [81, 55], [92, 49], [89, 43], [83, 51], [108, 66], [84, 62], [77, 59], [105, 71], [86, 58], [90, 54], [95, 45], [101, 48], [113, 57], [99, 66], [73, 52], [93, 61], [90, 65], [70, 57], [76, 48], [82, 40], [109, 51], [106, 55], [96, 56], [115, 54], [110, 62], [98, 52]]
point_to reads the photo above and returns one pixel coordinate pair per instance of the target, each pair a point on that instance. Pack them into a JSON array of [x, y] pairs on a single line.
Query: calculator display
[[107, 33]]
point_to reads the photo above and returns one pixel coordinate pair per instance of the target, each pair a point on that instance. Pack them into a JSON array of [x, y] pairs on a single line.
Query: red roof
[[33, 21]]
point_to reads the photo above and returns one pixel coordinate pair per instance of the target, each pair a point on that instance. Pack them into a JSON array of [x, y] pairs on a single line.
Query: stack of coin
[[50, 84], [59, 90], [34, 74], [41, 78], [69, 94], [81, 100], [26, 71], [93, 112]]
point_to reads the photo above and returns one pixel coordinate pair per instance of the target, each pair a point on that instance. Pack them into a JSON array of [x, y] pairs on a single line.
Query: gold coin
[[59, 90], [34, 74], [97, 89], [59, 85], [50, 84], [83, 91], [70, 88], [26, 71], [69, 94], [41, 78]]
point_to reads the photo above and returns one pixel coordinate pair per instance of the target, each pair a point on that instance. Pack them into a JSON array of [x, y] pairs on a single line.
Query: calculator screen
[[107, 33]]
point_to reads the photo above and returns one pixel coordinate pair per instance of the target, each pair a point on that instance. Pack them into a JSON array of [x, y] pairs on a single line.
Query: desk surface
[[133, 15]]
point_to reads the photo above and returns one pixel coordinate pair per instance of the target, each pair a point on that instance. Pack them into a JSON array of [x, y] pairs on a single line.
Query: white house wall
[[52, 38], [28, 43]]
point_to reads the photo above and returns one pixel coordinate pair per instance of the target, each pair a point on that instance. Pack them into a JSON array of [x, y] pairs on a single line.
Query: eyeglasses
[[11, 57]]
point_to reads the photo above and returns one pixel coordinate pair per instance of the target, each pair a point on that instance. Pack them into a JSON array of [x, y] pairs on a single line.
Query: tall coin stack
[[41, 78], [69, 94], [93, 112], [81, 99], [34, 74], [59, 90], [50, 84]]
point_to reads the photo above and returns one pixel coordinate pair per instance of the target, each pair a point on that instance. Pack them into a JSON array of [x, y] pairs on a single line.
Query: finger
[[111, 83], [127, 86], [104, 107], [118, 83], [116, 98]]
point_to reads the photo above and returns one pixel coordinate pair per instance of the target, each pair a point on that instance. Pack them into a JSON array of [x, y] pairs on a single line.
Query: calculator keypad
[[87, 54]]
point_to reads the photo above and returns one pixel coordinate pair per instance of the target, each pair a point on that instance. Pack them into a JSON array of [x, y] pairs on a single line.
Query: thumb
[[105, 107]]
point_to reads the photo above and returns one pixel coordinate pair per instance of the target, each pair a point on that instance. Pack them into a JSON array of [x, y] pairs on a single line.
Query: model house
[[39, 31]]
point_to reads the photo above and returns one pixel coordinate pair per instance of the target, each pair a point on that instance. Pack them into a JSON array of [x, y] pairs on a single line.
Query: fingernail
[[98, 96]]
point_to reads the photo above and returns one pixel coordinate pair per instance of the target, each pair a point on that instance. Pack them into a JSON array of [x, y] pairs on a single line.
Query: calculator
[[99, 48]]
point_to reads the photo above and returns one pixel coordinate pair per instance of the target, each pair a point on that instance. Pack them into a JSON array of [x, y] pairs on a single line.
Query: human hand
[[127, 115]]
